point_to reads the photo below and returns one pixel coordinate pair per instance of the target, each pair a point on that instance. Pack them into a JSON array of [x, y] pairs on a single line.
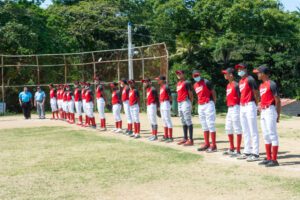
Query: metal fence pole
[[2, 84], [143, 75], [65, 69], [38, 69], [94, 64]]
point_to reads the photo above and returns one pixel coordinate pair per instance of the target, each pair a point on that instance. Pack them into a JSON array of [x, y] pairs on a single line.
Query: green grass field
[[60, 163]]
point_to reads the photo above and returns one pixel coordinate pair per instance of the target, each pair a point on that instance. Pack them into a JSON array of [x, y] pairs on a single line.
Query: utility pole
[[130, 55]]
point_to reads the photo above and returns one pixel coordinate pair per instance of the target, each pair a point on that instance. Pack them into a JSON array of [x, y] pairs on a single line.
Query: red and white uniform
[[53, 100], [134, 105], [125, 100], [116, 103], [65, 101], [89, 99], [70, 101], [100, 101], [248, 115], [83, 91], [152, 102], [184, 103], [206, 106], [268, 92], [78, 101], [165, 105], [59, 98], [233, 124]]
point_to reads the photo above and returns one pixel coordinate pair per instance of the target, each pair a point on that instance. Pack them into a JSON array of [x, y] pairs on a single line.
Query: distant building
[[290, 107]]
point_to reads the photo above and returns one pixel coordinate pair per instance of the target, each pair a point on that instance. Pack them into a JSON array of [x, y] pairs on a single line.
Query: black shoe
[[264, 162], [169, 140], [164, 139], [272, 163]]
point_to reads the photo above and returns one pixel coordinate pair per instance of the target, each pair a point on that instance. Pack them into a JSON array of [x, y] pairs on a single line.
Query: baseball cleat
[[211, 149], [103, 129], [182, 142], [164, 139], [94, 127], [153, 138], [169, 140], [243, 156], [264, 162], [129, 133], [272, 163], [253, 158], [136, 136], [132, 135], [113, 130], [188, 143], [203, 148], [119, 131], [235, 154], [228, 152]]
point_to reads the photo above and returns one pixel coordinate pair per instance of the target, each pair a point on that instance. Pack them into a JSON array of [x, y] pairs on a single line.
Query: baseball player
[[116, 107], [89, 99], [270, 106], [65, 104], [248, 114], [101, 99], [165, 108], [125, 100], [60, 101], [83, 91], [134, 103], [184, 98], [78, 102], [233, 124], [53, 101], [152, 104], [70, 105], [206, 109]]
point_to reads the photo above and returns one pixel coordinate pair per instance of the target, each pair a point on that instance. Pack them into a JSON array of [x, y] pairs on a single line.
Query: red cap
[[240, 66], [179, 72]]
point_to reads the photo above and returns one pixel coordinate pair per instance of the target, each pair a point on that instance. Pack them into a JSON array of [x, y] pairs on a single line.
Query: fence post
[[143, 75], [94, 64], [2, 83], [38, 69], [65, 69]]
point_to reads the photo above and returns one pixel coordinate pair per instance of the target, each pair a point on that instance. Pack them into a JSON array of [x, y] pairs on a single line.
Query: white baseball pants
[[59, 104], [78, 107], [117, 112], [151, 113], [84, 106], [268, 122], [185, 112], [71, 106], [233, 123], [101, 108], [65, 106], [207, 116], [248, 115], [165, 110], [53, 104], [89, 106], [134, 111], [127, 111]]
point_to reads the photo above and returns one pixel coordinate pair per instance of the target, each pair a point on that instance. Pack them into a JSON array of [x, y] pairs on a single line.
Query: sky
[[290, 5]]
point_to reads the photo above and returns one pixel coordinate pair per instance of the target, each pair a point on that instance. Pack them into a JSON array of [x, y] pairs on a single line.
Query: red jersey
[[183, 88], [99, 91], [152, 96], [125, 93], [69, 95], [59, 94], [133, 97], [203, 89], [164, 93], [116, 97], [77, 95], [268, 92], [52, 93], [64, 95], [89, 96], [232, 94], [83, 91], [247, 85]]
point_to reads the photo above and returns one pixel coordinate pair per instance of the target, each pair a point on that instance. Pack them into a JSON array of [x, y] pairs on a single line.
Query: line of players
[[242, 101]]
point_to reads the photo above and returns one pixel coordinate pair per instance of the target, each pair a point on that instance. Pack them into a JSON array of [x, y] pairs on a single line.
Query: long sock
[[231, 143], [238, 142], [73, 117], [170, 132], [93, 121], [185, 130], [155, 130], [101, 123], [191, 131], [206, 138], [104, 123], [53, 117], [120, 124], [117, 124], [86, 119], [275, 152], [165, 132], [80, 119], [130, 126], [213, 139], [56, 113], [268, 151], [138, 125], [135, 128]]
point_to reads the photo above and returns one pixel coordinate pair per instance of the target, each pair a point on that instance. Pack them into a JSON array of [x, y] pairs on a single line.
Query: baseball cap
[[131, 81], [196, 73], [113, 84], [241, 66], [146, 80], [262, 69], [123, 80], [163, 78], [179, 72], [229, 70]]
